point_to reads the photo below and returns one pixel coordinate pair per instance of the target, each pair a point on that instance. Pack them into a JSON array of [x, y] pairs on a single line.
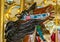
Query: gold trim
[[56, 21], [22, 3], [8, 11], [2, 29]]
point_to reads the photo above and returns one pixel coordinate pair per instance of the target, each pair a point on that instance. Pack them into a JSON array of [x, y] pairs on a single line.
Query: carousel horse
[[17, 30], [17, 26], [37, 16]]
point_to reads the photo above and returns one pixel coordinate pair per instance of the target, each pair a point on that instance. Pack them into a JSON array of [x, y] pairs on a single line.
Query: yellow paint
[[7, 16], [9, 11], [11, 7], [54, 0], [45, 1], [18, 11]]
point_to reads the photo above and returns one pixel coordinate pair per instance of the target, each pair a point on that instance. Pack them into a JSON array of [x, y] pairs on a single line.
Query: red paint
[[38, 39], [53, 37], [28, 17]]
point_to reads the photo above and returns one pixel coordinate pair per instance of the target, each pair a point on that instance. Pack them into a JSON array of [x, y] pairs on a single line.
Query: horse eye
[[35, 16], [44, 15]]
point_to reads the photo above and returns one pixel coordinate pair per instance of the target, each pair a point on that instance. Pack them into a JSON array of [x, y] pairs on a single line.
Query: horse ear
[[32, 7]]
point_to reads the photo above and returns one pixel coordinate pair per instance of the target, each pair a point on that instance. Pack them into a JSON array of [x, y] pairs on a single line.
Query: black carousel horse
[[17, 30]]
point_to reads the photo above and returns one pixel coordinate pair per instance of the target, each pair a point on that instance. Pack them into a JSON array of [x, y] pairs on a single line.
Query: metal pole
[[22, 4], [56, 23], [1, 27]]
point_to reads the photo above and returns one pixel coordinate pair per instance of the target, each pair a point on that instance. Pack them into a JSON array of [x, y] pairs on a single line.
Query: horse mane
[[43, 9]]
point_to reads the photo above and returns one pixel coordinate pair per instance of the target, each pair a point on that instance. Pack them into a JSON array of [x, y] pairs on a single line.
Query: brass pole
[[2, 29], [56, 23], [22, 4]]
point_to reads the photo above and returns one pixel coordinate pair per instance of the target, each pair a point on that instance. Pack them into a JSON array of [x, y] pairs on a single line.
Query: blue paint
[[38, 16], [38, 29], [35, 16], [43, 15], [39, 7]]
